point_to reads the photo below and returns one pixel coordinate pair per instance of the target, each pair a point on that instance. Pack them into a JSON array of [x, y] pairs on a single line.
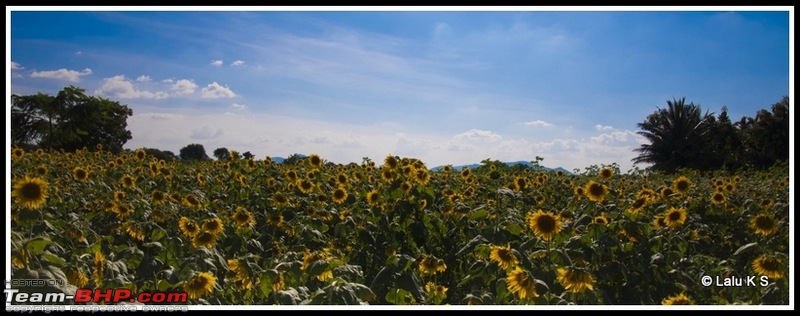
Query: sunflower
[[278, 284], [325, 275], [158, 197], [601, 219], [99, 268], [119, 196], [80, 174], [123, 210], [17, 154], [431, 265], [637, 205], [466, 173], [422, 176], [242, 218], [681, 184], [575, 280], [503, 256], [519, 184], [373, 197], [339, 195], [680, 299], [213, 225], [406, 186], [291, 175], [305, 186], [578, 192], [606, 173], [675, 217], [42, 170], [595, 191], [133, 230], [139, 154], [239, 275], [766, 204], [199, 285], [667, 193], [30, 192], [768, 265], [436, 291], [520, 282], [764, 224], [718, 198], [659, 222], [390, 162], [191, 201], [76, 277], [188, 227], [204, 239], [388, 174], [544, 224], [280, 199]]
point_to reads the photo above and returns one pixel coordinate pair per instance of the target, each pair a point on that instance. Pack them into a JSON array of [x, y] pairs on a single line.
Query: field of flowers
[[243, 231]]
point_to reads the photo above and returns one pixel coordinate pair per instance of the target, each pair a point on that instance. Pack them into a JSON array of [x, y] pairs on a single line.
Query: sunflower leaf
[[745, 248]]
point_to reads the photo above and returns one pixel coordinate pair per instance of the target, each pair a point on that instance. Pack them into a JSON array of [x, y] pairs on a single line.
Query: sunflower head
[[188, 227], [204, 239], [521, 283], [681, 184], [595, 191], [675, 217], [503, 256], [199, 285], [575, 280], [339, 195], [718, 198], [213, 225], [680, 299], [544, 224], [769, 266], [764, 224], [606, 173], [30, 192], [80, 174]]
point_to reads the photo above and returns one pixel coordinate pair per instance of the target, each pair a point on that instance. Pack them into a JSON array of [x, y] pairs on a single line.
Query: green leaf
[[53, 259], [36, 245], [745, 248], [478, 213], [399, 297]]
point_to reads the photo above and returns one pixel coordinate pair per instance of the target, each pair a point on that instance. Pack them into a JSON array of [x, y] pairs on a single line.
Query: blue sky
[[453, 87]]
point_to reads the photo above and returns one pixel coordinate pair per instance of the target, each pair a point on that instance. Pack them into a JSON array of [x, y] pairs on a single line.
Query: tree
[[766, 137], [194, 152], [678, 137], [247, 155], [221, 153], [69, 121], [165, 155]]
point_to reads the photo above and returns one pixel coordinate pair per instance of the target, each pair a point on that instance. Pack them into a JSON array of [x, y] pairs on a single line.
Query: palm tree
[[678, 137]]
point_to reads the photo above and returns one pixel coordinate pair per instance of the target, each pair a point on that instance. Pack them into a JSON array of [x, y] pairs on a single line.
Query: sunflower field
[[256, 232]]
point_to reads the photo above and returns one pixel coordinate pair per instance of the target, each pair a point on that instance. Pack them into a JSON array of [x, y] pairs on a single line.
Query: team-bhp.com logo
[[14, 296]]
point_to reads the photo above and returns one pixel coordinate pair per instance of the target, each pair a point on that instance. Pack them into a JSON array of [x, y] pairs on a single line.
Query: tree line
[[682, 136], [679, 136]]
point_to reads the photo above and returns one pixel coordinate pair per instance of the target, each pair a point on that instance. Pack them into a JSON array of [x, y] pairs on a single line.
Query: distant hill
[[511, 163]]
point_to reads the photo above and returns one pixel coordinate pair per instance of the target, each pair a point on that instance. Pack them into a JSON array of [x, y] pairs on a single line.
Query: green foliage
[[194, 152], [680, 137], [71, 120]]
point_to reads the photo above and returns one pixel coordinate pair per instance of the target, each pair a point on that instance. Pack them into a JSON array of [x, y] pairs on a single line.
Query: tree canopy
[[681, 136], [70, 120]]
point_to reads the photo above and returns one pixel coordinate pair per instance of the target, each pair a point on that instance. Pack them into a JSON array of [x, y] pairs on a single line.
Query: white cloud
[[206, 132], [237, 63], [63, 74], [238, 107], [538, 123], [143, 78], [478, 135], [120, 87], [184, 86], [16, 66], [169, 80], [216, 63], [78, 53], [215, 90], [600, 127]]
